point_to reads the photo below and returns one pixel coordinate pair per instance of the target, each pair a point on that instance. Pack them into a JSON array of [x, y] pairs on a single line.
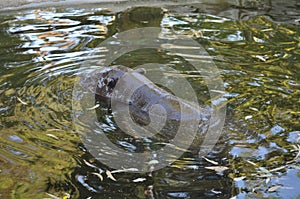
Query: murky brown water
[[43, 50]]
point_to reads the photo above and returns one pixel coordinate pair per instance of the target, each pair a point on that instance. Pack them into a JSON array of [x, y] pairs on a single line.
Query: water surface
[[257, 53]]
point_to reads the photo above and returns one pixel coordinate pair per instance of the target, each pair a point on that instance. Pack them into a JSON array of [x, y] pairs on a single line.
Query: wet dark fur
[[144, 97]]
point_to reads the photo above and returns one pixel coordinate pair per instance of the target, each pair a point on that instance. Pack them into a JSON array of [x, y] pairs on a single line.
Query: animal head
[[108, 79]]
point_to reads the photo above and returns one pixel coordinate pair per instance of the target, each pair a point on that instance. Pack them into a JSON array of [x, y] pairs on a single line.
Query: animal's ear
[[140, 70], [120, 67]]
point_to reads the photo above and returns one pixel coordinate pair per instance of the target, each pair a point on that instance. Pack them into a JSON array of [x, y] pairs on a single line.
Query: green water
[[43, 50]]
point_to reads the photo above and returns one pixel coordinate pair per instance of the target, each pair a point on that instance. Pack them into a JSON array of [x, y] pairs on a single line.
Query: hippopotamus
[[122, 85]]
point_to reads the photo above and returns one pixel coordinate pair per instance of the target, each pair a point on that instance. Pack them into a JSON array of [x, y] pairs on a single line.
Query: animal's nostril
[[112, 83]]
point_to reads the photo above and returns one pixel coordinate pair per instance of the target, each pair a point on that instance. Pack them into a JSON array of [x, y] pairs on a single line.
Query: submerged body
[[146, 101]]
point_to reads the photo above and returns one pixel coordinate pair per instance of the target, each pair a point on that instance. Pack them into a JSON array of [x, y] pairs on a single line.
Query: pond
[[253, 44]]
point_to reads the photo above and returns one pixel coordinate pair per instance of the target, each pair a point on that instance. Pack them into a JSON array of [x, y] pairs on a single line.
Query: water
[[44, 50]]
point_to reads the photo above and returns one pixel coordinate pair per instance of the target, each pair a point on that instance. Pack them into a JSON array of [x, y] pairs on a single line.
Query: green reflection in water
[[42, 50]]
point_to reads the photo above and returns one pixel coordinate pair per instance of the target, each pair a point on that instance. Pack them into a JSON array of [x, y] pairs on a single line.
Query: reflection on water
[[42, 51]]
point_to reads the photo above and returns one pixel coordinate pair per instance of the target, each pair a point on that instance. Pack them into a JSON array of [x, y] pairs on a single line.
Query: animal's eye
[[112, 83]]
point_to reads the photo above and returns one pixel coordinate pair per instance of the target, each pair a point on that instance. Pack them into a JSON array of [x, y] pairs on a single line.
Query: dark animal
[[121, 85]]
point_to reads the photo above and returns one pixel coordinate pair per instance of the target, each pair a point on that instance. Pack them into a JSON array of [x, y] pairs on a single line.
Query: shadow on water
[[256, 48]]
